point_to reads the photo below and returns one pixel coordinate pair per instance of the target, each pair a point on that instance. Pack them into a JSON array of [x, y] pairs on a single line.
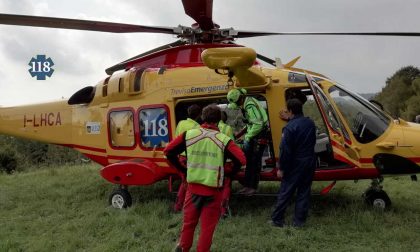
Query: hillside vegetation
[[17, 154], [401, 93], [65, 209]]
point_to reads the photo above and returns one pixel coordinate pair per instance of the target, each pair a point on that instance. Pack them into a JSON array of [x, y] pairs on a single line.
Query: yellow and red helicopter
[[125, 120]]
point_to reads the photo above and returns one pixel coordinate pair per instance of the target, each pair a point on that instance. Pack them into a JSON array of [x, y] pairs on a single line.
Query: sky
[[362, 64]]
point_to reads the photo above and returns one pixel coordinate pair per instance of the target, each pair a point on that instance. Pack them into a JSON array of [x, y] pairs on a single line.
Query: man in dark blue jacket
[[297, 165]]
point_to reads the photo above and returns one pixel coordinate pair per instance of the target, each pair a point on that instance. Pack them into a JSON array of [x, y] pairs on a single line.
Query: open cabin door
[[342, 147]]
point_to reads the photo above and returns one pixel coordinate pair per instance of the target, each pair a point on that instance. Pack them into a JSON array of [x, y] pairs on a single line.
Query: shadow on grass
[[320, 205], [324, 205]]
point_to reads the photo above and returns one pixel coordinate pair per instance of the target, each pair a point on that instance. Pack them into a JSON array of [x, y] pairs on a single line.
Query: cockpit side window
[[365, 123], [332, 117]]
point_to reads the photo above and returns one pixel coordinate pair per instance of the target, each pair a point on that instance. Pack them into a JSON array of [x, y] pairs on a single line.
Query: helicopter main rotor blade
[[266, 59], [77, 24], [247, 34], [201, 11], [123, 65]]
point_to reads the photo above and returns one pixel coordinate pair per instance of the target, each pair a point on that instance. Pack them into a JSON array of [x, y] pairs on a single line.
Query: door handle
[[386, 145], [338, 138]]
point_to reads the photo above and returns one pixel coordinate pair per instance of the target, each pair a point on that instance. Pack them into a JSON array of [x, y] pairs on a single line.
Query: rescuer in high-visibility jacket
[[207, 150], [194, 113], [225, 128], [256, 129]]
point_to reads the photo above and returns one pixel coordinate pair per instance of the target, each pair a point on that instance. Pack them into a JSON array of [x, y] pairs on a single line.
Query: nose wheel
[[120, 198], [376, 197]]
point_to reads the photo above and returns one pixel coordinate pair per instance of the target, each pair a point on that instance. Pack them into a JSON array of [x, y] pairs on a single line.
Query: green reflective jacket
[[256, 116], [185, 125], [226, 129], [205, 156]]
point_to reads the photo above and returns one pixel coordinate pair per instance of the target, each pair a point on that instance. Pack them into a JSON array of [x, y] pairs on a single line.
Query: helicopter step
[[135, 171]]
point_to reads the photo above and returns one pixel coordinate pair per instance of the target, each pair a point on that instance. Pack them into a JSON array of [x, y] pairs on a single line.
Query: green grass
[[66, 209]]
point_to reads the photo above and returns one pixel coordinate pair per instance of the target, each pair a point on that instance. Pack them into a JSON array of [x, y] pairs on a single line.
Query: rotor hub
[[195, 34]]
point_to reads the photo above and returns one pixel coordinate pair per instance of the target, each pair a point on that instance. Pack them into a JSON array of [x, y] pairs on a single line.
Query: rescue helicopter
[[124, 121]]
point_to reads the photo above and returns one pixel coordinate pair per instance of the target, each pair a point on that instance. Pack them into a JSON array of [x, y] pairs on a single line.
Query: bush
[[8, 161], [17, 154], [59, 155]]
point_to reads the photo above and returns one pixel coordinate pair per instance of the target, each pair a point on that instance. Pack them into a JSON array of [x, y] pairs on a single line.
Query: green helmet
[[233, 97]]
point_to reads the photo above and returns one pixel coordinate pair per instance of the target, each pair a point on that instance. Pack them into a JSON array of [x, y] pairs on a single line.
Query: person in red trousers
[[194, 113], [206, 150]]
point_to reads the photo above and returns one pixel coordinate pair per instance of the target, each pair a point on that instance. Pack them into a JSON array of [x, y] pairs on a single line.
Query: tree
[[401, 94]]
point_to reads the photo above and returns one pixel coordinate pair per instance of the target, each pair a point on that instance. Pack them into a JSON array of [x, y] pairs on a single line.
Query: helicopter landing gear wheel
[[120, 198], [376, 197]]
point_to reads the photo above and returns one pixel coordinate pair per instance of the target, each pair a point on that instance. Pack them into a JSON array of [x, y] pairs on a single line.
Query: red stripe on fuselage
[[346, 174], [344, 159], [127, 157], [415, 159], [75, 146], [370, 160], [366, 160], [104, 160]]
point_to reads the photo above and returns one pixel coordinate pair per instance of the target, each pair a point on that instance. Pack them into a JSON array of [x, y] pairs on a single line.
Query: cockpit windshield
[[365, 121]]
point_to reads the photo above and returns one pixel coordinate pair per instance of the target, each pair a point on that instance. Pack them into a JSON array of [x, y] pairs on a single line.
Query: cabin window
[[121, 128], [365, 121], [310, 108], [331, 115], [323, 148], [299, 78], [154, 127]]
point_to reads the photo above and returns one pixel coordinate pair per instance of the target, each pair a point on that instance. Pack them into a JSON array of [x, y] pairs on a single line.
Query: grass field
[[66, 209]]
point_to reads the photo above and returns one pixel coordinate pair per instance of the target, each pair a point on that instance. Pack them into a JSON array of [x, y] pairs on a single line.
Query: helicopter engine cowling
[[228, 57], [238, 60]]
